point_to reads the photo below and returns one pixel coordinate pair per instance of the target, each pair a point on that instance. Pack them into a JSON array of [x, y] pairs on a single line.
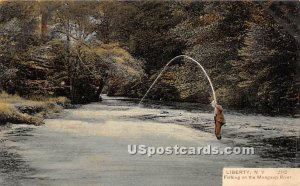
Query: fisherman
[[219, 119]]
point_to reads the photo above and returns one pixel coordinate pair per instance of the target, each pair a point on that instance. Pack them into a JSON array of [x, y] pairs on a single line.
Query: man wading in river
[[219, 119]]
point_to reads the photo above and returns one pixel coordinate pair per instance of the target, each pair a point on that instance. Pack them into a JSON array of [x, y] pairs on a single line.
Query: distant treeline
[[79, 49]]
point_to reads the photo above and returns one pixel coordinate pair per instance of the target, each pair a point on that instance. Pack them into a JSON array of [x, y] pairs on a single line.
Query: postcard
[[149, 93]]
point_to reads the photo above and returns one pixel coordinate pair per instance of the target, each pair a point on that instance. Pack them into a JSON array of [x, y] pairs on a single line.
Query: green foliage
[[143, 27], [75, 49], [274, 53]]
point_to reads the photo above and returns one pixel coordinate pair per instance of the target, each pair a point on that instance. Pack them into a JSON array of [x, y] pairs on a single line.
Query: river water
[[88, 145]]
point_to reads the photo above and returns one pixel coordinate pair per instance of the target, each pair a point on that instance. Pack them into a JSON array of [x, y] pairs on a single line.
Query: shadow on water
[[174, 105], [20, 132], [280, 148], [13, 166], [159, 104]]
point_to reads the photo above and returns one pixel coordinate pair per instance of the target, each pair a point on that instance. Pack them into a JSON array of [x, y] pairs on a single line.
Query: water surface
[[88, 145]]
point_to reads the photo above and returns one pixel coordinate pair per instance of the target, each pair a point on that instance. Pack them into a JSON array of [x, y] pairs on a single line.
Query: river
[[88, 145]]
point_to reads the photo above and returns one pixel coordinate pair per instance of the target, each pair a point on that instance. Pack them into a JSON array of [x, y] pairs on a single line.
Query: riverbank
[[17, 110]]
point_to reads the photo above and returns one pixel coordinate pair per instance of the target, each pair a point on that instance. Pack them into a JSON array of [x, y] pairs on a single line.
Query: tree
[[274, 53], [17, 33], [213, 33]]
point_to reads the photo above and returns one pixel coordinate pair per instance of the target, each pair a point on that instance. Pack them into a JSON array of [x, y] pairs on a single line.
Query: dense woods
[[80, 49]]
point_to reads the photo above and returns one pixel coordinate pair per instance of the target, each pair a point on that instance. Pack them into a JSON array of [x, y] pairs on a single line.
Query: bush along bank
[[17, 110]]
